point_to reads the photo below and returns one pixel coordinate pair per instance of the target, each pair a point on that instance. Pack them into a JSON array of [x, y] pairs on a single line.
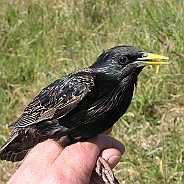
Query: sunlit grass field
[[41, 41]]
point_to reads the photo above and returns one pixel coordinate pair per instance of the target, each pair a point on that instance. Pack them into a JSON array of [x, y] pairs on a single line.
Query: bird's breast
[[97, 112]]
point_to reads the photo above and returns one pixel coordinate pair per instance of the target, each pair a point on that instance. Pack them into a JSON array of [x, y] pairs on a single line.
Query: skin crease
[[49, 163]]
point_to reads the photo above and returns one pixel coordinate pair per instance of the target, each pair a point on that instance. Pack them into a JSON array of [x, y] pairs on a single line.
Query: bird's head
[[121, 62]]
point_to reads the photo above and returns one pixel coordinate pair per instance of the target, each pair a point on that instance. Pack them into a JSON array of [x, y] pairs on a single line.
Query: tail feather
[[13, 156], [24, 138], [17, 145], [6, 154]]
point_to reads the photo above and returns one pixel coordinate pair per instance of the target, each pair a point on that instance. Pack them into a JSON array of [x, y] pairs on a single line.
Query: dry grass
[[43, 40]]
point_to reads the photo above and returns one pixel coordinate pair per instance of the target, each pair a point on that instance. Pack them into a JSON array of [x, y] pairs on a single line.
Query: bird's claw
[[104, 171]]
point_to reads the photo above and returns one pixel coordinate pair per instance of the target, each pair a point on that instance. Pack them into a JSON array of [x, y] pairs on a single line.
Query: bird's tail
[[24, 138], [17, 146]]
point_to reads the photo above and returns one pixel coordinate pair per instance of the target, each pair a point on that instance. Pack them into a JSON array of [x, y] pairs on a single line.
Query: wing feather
[[57, 99]]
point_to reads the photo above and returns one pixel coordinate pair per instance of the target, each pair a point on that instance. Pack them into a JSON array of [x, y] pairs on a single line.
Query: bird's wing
[[57, 99]]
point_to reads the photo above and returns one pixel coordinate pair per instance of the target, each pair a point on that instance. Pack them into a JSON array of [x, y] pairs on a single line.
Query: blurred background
[[41, 41]]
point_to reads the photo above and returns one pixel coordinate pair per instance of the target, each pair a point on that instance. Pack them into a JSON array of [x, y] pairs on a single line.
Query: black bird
[[80, 105]]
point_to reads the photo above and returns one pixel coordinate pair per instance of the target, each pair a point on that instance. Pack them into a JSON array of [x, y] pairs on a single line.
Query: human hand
[[49, 163]]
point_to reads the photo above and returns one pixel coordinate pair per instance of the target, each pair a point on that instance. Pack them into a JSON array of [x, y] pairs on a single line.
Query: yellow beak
[[151, 59]]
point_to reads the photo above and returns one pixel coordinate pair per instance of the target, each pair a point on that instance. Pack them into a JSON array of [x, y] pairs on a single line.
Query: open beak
[[151, 59]]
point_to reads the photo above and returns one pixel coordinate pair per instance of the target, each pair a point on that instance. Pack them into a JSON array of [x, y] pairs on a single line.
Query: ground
[[44, 40]]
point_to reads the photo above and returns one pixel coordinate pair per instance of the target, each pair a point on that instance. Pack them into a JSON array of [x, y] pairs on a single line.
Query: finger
[[46, 151], [112, 156], [77, 158], [81, 157], [105, 142], [37, 162], [91, 148]]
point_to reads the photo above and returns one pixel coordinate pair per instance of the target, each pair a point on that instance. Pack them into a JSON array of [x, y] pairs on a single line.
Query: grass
[[41, 41]]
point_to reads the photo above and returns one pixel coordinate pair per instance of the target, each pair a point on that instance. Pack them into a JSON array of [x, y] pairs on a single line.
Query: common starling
[[80, 105]]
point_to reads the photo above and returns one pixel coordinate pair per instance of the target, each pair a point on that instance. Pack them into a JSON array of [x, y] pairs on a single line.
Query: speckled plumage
[[79, 105]]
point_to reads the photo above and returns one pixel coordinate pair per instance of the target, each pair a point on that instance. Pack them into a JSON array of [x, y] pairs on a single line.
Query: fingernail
[[113, 161]]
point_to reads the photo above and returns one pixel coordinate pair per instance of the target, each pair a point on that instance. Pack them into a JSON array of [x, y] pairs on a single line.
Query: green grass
[[41, 41]]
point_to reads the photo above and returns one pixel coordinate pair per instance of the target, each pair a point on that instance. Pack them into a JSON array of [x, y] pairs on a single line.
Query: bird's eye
[[123, 60], [144, 55]]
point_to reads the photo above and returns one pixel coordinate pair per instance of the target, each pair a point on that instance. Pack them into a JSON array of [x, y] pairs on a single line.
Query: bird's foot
[[104, 171]]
